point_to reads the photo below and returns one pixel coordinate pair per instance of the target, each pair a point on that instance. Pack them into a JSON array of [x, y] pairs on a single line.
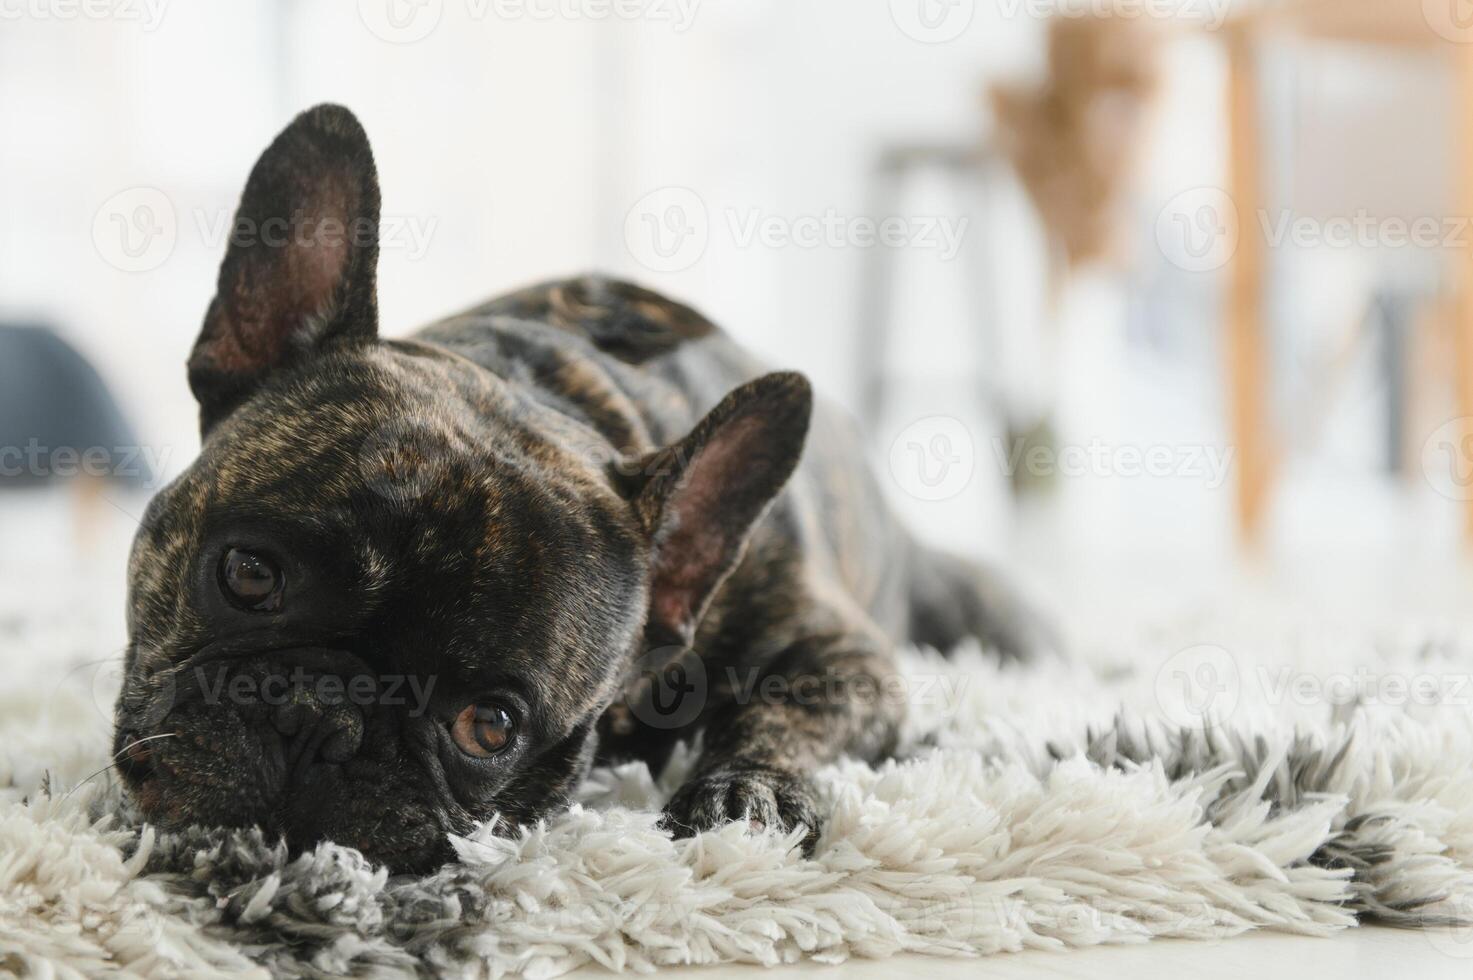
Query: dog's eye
[[482, 730], [251, 581]]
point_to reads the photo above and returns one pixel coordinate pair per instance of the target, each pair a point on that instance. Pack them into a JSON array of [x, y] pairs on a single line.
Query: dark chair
[[58, 420]]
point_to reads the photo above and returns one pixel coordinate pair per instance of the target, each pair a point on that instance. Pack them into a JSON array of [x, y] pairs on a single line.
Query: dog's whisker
[[84, 782], [114, 765], [140, 741], [123, 510]]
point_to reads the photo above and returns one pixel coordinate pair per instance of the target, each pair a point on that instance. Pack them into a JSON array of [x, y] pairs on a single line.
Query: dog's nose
[[319, 732], [135, 754]]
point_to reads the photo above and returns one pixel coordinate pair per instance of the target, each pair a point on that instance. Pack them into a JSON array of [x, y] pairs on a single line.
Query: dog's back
[[642, 369]]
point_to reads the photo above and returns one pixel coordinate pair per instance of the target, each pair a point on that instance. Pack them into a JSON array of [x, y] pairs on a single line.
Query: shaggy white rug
[[1197, 781]]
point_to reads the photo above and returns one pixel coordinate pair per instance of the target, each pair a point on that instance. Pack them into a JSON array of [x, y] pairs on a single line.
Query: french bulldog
[[412, 584]]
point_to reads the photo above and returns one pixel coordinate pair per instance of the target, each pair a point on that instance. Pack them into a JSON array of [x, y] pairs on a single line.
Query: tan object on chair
[[1074, 139]]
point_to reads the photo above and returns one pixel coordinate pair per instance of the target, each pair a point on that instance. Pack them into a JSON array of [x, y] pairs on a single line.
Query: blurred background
[[1136, 296]]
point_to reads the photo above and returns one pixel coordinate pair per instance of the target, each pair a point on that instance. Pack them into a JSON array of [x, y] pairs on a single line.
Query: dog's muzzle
[[231, 737]]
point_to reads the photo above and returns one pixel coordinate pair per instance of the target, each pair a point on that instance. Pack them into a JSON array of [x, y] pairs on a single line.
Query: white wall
[[521, 145]]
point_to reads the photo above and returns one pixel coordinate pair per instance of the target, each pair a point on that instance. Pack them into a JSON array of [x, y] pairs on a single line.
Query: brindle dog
[[409, 584]]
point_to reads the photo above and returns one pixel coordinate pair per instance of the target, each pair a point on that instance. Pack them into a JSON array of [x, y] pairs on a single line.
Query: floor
[[1370, 952], [1401, 586]]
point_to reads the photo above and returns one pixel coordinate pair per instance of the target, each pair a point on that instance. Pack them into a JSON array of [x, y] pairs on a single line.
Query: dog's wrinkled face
[[349, 626], [395, 593]]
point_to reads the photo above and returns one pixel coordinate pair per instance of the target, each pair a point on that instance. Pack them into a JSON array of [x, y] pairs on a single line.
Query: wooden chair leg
[[1462, 332], [1247, 362]]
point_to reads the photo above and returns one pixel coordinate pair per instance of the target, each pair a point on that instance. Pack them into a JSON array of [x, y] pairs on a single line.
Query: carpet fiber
[[1275, 778]]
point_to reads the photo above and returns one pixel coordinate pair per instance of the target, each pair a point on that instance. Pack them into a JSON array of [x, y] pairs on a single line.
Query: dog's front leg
[[818, 699]]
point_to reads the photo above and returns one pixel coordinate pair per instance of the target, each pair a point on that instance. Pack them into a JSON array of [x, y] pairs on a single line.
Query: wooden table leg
[[1247, 361], [1463, 195]]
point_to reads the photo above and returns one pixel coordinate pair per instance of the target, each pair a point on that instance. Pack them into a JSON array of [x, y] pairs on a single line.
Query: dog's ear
[[299, 273], [699, 498]]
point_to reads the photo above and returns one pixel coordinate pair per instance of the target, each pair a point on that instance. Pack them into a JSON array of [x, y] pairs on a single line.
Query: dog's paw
[[763, 796]]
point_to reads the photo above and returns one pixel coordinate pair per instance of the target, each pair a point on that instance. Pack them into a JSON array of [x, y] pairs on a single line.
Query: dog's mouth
[[301, 743], [135, 762]]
